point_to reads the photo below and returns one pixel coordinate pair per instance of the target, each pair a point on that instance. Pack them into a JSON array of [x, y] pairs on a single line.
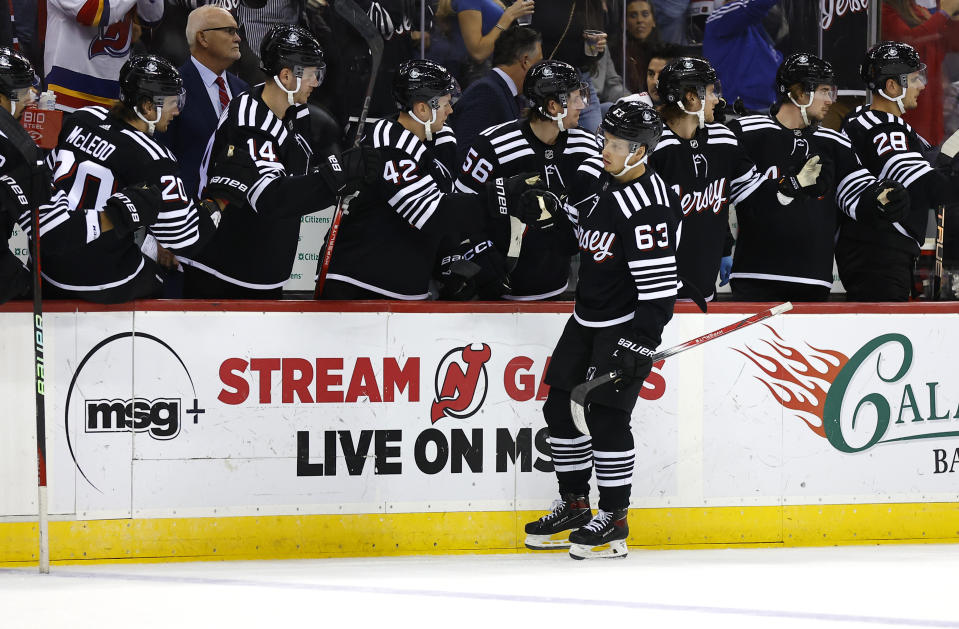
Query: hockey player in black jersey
[[702, 161], [111, 178], [547, 142], [628, 231], [784, 250], [260, 159], [398, 228], [876, 256]]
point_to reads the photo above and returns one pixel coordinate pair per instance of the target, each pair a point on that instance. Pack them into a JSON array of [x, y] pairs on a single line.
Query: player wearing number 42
[[875, 258], [629, 223], [101, 151], [259, 161]]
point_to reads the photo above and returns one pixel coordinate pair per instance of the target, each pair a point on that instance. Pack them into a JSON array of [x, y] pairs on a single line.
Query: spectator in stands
[[659, 57], [214, 46], [672, 20], [642, 34], [607, 82], [932, 35], [738, 46], [497, 97], [477, 27], [563, 24], [87, 42]]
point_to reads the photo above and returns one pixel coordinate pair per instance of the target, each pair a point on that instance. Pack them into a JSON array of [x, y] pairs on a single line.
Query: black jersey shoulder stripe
[[254, 114], [140, 138], [96, 111], [444, 136], [849, 190], [496, 127], [592, 166], [302, 112], [511, 146], [835, 136], [390, 134], [716, 129]]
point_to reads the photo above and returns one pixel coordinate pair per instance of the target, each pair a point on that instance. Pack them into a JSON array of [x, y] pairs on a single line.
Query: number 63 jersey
[[628, 235], [97, 155]]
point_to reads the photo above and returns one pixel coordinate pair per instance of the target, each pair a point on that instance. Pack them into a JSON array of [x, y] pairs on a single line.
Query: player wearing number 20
[[875, 258], [547, 143], [628, 231], [107, 166]]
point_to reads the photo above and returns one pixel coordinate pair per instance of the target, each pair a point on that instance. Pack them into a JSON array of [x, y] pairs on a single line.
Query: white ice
[[858, 586]]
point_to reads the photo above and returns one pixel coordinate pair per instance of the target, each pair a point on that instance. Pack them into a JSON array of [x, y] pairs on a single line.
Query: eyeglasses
[[229, 30]]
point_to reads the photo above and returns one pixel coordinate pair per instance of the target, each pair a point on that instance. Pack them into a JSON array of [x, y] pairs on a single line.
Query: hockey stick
[[353, 15], [940, 235], [577, 398], [38, 374]]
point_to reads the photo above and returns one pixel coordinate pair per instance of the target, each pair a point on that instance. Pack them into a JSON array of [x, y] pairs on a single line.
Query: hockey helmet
[[422, 81], [685, 74], [633, 121], [16, 73], [808, 70], [551, 80], [293, 47], [890, 60], [150, 77]]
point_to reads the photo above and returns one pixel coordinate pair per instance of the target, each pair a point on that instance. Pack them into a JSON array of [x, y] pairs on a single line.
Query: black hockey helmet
[[16, 73], [808, 70], [422, 81], [550, 80], [149, 77], [685, 74], [635, 122], [293, 47], [889, 60]]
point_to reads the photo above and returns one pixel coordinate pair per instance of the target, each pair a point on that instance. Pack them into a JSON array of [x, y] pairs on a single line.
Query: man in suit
[[214, 45], [496, 97]]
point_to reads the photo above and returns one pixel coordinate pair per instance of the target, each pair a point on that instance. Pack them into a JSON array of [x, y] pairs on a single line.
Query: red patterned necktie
[[224, 97]]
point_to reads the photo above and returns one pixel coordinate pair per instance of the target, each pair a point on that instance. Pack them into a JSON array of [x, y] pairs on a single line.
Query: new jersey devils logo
[[460, 393], [114, 40]]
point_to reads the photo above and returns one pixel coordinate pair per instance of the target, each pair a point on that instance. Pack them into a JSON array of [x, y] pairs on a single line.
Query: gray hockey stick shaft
[[577, 398], [352, 13]]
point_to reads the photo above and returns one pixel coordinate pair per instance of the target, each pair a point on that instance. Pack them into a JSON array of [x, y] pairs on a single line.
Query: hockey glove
[[231, 176], [456, 278], [510, 197], [541, 206], [492, 280], [133, 207], [725, 268], [13, 198], [356, 166], [885, 201], [634, 357], [803, 182]]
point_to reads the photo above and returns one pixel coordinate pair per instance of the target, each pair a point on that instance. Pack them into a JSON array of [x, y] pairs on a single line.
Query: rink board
[[287, 429]]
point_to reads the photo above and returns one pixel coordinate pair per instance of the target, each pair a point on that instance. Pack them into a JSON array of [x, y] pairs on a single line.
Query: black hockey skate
[[551, 531], [604, 537]]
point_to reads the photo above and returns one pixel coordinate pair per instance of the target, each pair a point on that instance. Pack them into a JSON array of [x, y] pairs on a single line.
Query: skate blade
[[559, 541], [613, 550]]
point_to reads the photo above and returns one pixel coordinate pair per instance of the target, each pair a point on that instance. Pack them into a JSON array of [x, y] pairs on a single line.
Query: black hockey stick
[[39, 377], [353, 15], [940, 235], [577, 398]]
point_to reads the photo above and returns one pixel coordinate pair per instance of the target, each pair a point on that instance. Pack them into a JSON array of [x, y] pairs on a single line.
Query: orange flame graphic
[[794, 380]]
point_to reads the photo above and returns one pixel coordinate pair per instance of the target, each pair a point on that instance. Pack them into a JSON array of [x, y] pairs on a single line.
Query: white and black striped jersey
[[389, 240], [97, 154], [627, 235], [707, 172], [891, 149], [255, 244], [511, 148], [794, 242]]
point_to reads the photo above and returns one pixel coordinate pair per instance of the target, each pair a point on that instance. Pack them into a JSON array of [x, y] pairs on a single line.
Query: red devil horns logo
[[460, 392]]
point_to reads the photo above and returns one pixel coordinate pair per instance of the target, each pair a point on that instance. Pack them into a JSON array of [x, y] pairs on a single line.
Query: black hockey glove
[[457, 277], [356, 166], [133, 207], [802, 182], [492, 281], [13, 198], [517, 196], [885, 201], [231, 176], [634, 357]]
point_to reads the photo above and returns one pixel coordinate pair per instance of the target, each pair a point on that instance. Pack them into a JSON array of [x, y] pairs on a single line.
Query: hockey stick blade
[[577, 397]]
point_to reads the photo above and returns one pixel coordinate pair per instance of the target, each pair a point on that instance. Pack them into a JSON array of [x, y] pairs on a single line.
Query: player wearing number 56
[[112, 178]]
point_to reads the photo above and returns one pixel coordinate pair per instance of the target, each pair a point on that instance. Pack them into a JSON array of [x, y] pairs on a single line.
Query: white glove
[[810, 172]]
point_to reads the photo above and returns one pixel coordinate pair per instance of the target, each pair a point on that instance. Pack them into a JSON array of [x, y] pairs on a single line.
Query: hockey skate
[[551, 531], [604, 537]]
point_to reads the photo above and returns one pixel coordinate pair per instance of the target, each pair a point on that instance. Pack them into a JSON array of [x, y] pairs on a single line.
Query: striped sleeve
[[650, 239], [414, 194]]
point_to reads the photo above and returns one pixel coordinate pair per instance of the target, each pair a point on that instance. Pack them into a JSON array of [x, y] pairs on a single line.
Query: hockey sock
[[571, 451], [613, 455]]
